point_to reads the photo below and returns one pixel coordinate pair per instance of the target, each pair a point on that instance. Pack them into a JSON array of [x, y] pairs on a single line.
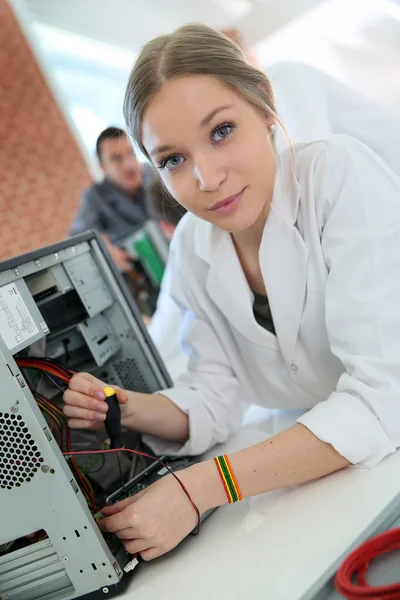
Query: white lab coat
[[311, 106], [314, 106], [330, 258]]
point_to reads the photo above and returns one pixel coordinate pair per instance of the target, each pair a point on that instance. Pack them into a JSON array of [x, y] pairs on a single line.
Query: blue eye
[[170, 162], [222, 131]]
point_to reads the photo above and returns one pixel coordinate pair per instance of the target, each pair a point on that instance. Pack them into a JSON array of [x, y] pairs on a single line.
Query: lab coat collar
[[286, 195], [283, 261]]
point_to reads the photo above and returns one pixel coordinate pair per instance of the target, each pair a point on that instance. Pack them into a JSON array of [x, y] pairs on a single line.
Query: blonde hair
[[193, 49]]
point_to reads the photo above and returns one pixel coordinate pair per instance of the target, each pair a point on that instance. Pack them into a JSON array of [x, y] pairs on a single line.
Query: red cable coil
[[357, 563]]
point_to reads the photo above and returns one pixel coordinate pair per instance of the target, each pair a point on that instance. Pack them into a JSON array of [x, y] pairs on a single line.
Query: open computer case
[[65, 306]]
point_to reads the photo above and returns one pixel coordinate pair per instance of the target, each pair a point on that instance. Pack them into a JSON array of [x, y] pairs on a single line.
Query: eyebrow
[[159, 149], [212, 114], [203, 123]]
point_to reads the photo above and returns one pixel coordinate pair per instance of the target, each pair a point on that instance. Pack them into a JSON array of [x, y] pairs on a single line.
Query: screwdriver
[[112, 423]]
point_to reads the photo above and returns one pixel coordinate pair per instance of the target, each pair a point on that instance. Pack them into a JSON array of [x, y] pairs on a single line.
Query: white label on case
[[16, 322]]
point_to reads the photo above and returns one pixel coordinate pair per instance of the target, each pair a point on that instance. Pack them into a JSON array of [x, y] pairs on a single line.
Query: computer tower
[[66, 303]]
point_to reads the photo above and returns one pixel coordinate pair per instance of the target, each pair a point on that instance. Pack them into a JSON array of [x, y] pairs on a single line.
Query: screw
[[105, 590], [65, 558], [14, 409], [45, 468]]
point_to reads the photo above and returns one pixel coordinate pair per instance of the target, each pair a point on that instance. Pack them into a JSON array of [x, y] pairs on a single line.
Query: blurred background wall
[[42, 170], [65, 64]]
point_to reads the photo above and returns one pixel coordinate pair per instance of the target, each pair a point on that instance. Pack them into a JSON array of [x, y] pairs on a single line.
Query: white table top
[[275, 546]]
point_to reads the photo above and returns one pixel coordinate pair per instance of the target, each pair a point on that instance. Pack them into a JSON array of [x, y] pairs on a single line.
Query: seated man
[[118, 205]]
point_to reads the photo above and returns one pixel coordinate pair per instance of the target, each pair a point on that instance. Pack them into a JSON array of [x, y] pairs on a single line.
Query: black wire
[[154, 458], [112, 450], [66, 342], [59, 383]]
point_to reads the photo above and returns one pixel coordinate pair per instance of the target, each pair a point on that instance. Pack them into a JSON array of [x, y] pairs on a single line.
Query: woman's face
[[213, 150]]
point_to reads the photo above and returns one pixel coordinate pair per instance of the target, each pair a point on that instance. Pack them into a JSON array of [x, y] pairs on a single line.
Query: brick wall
[[42, 172]]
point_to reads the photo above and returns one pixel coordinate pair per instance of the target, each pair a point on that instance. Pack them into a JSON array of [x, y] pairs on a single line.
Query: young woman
[[287, 271]]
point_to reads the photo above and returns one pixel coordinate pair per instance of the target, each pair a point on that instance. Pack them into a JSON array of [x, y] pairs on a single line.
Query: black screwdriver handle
[[112, 422]]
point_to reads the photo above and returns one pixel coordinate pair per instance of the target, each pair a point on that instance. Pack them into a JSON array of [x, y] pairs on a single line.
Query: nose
[[130, 161], [209, 174]]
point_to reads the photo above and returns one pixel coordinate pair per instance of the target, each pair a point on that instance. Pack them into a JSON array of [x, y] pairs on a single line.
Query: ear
[[270, 121]]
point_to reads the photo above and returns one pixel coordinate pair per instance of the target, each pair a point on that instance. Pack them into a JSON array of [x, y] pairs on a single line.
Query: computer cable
[[351, 578], [42, 403], [42, 364], [114, 425], [58, 416], [154, 458]]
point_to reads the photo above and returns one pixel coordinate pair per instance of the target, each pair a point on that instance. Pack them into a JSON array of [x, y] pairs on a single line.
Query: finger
[[87, 384], [83, 413], [80, 400], [122, 396], [118, 506], [116, 522], [151, 553], [136, 546], [107, 511], [82, 424], [130, 534]]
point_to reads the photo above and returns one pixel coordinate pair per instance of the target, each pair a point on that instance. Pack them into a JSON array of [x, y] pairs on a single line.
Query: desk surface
[[280, 545]]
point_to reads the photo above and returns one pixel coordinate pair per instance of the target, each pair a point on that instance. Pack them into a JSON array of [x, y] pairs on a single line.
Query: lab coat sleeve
[[361, 247], [208, 391]]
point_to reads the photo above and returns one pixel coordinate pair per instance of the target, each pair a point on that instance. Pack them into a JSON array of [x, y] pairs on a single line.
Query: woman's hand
[[156, 519], [84, 401], [85, 408]]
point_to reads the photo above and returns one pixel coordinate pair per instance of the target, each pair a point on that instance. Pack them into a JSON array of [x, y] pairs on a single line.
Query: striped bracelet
[[228, 478]]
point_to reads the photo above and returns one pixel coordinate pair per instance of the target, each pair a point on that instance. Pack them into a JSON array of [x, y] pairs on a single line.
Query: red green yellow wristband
[[228, 478]]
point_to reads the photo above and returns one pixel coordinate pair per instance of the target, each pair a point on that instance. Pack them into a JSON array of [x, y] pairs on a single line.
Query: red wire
[[76, 469], [54, 363], [68, 443], [357, 563], [46, 362], [43, 365], [152, 458], [46, 403], [65, 375]]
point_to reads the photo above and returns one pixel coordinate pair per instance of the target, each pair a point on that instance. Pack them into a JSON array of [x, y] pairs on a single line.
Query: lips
[[229, 203]]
